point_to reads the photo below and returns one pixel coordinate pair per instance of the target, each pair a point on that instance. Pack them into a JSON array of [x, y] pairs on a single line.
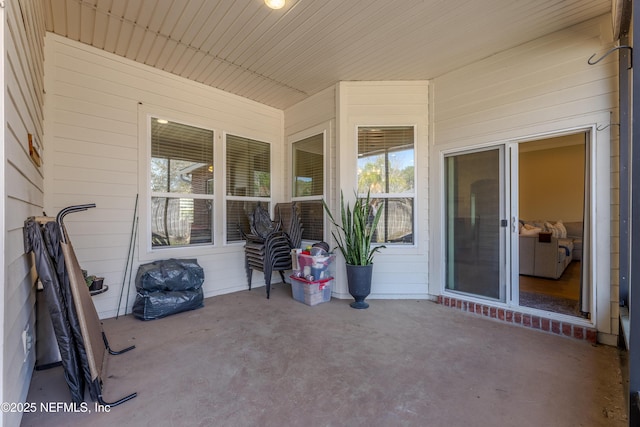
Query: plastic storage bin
[[311, 293], [313, 267]]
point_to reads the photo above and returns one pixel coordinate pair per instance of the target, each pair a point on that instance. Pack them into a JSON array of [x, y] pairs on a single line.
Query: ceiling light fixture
[[274, 4], [162, 121]]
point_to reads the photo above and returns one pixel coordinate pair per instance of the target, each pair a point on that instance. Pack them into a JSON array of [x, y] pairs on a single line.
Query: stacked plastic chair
[[288, 217], [268, 246]]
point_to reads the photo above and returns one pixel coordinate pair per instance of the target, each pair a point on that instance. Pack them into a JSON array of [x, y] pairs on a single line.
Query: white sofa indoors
[[546, 249], [574, 232]]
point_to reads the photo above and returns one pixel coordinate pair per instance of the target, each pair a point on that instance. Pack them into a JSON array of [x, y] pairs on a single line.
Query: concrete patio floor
[[243, 360]]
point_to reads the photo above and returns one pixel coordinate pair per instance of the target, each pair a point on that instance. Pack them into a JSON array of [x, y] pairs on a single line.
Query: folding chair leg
[[249, 272], [267, 280], [114, 352], [97, 384]]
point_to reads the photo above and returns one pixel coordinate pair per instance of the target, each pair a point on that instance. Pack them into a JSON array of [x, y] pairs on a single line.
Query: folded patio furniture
[[77, 326]]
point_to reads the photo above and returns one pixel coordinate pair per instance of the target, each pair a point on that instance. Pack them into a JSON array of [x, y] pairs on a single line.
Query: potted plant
[[353, 237]]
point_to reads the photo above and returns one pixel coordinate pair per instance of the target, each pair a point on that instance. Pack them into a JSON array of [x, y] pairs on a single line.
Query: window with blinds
[[386, 170], [181, 182], [308, 184], [248, 181]]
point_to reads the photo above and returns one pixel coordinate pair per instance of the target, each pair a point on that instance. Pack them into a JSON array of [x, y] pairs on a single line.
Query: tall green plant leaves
[[355, 232]]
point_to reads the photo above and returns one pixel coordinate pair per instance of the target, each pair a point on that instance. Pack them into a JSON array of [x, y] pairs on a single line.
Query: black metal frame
[[96, 384], [114, 352], [630, 208], [634, 241]]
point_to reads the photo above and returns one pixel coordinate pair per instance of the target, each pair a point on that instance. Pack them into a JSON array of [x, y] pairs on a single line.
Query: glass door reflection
[[474, 252]]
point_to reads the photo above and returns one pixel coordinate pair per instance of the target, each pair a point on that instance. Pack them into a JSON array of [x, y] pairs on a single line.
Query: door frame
[[597, 155], [513, 148], [504, 182]]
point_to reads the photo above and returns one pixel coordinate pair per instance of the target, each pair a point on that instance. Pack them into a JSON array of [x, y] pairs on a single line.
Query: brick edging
[[522, 319]]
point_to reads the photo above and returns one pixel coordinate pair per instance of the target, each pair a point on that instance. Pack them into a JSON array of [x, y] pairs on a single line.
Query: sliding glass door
[[475, 232]]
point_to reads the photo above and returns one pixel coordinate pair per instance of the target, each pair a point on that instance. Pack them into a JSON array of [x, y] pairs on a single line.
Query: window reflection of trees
[[386, 170]]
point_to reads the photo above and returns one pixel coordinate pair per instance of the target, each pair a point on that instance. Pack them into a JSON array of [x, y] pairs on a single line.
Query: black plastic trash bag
[[154, 305], [168, 287], [170, 275]]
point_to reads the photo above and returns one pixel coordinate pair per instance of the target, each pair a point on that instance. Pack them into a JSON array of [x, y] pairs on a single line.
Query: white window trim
[[145, 251]]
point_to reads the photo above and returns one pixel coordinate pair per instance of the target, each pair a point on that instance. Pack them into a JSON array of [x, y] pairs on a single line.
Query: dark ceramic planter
[[96, 285], [359, 281]]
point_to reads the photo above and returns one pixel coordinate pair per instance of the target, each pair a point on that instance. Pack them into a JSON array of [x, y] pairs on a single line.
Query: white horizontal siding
[[314, 110], [94, 102], [523, 89], [537, 88], [399, 276], [22, 194], [398, 271], [123, 79]]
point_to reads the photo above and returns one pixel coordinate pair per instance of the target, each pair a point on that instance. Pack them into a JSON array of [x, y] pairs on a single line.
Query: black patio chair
[[268, 245]]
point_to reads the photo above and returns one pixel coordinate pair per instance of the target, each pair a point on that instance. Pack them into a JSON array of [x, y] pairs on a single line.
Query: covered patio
[[88, 81], [246, 360]]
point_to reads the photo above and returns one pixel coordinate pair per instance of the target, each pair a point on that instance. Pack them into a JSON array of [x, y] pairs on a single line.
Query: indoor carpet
[[550, 303]]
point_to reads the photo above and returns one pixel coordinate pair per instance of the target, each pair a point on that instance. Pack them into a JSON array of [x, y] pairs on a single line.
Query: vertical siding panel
[[540, 87], [400, 271], [22, 196], [94, 101]]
